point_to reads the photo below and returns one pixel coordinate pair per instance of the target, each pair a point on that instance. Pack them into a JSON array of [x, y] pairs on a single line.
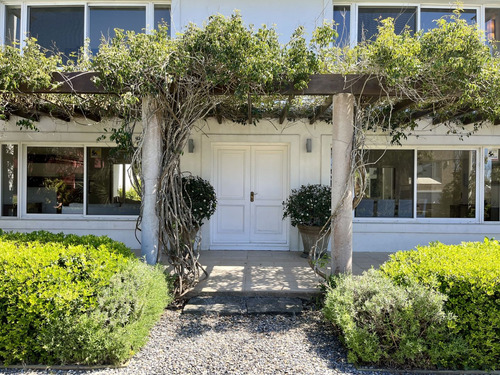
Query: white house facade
[[436, 187]]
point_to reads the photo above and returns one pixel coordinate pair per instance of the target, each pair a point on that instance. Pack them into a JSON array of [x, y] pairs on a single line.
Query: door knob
[[252, 196]]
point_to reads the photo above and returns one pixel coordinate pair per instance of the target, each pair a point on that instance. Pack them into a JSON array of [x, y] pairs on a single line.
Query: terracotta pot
[[310, 235]]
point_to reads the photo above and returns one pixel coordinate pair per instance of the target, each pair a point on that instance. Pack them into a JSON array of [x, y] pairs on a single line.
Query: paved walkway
[[279, 273]]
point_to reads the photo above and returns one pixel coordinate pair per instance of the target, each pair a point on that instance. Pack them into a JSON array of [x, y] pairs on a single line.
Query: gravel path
[[239, 344]]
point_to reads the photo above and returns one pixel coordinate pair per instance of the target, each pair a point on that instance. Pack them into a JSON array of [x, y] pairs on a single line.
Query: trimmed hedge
[[388, 325], [469, 275], [69, 299]]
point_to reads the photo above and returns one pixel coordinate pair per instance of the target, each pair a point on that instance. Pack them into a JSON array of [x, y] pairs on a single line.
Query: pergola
[[339, 92]]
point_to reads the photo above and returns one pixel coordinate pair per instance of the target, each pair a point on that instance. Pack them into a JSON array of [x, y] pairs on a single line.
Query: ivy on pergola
[[228, 70]]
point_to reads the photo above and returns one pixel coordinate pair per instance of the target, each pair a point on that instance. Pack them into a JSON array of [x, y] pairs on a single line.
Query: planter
[[310, 235]]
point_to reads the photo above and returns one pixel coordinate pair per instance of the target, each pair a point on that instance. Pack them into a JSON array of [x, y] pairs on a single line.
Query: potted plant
[[200, 197], [309, 209]]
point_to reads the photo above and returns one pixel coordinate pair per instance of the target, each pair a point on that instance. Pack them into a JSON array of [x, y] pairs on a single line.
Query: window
[[109, 188], [9, 180], [491, 185], [492, 24], [446, 184], [67, 37], [429, 16], [54, 180], [103, 21], [342, 18], [369, 20], [12, 25], [162, 15], [389, 190]]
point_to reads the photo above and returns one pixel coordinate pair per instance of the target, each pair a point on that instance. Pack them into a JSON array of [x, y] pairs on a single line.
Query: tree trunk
[[342, 140]]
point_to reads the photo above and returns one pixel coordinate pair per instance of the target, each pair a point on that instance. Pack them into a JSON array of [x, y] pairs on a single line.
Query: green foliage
[[66, 299], [309, 205], [389, 325], [200, 197], [469, 275]]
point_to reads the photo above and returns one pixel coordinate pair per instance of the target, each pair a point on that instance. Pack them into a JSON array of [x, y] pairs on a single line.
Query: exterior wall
[[59, 133]]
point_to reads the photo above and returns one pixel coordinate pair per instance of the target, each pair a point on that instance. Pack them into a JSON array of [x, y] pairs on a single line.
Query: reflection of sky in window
[[369, 20], [104, 20], [429, 16], [60, 28], [342, 18], [162, 15]]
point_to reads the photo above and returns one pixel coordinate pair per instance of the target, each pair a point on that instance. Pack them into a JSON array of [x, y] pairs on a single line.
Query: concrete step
[[233, 305]]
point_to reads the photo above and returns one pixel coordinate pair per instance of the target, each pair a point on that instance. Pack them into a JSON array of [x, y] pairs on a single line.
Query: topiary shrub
[[469, 275], [200, 197], [64, 303], [388, 325]]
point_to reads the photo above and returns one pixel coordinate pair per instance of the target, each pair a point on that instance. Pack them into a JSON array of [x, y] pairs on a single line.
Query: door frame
[[208, 145]]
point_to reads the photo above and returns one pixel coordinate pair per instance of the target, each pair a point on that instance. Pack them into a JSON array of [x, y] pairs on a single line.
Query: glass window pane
[[369, 20], [57, 28], [9, 180], [110, 190], [162, 15], [446, 184], [104, 20], [55, 180], [429, 16], [491, 185], [12, 25], [342, 17], [389, 190], [492, 25]]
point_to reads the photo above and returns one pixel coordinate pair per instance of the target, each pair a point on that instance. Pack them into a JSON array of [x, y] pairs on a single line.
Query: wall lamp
[[309, 144], [190, 146]]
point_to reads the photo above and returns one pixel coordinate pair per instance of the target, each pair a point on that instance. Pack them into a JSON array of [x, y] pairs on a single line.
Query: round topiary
[[200, 196], [310, 205]]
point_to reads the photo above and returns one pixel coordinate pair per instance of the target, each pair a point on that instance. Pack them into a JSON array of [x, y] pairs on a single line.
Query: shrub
[[65, 303], [200, 198], [384, 324], [469, 275], [310, 205]]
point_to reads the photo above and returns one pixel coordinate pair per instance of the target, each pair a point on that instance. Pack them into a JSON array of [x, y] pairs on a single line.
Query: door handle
[[252, 196]]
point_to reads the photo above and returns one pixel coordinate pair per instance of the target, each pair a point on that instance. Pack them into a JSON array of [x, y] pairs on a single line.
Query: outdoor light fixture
[[190, 146], [309, 144]]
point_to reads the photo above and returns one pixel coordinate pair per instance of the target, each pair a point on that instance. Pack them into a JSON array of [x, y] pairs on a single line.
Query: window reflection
[[491, 185], [162, 15], [104, 20], [54, 180], [429, 16], [389, 190], [12, 25], [342, 18], [9, 180], [369, 20], [57, 28], [492, 25], [446, 184], [110, 190]]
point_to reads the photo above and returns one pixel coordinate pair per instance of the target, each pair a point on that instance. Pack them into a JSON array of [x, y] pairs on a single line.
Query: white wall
[[309, 14]]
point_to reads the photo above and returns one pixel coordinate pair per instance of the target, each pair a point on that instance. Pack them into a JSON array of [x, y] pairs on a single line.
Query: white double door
[[251, 182]]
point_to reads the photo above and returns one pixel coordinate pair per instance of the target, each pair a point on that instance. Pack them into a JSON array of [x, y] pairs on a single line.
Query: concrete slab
[[269, 305], [222, 305]]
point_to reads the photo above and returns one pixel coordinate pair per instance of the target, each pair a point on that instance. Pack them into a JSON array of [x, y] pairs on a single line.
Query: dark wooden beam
[[284, 111], [320, 84], [31, 115], [218, 115], [88, 115], [319, 110], [250, 119]]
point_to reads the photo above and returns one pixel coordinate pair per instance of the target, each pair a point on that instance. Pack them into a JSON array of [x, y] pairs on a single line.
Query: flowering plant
[[310, 205], [200, 197]]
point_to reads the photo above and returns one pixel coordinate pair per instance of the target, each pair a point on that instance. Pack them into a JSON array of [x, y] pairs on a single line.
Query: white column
[[151, 162], [342, 139]]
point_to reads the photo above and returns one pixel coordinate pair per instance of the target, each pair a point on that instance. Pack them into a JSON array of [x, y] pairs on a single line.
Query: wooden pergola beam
[[320, 110], [31, 115]]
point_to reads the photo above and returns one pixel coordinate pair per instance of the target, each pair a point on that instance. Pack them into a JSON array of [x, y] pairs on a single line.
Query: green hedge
[[469, 275], [384, 324], [70, 299]]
